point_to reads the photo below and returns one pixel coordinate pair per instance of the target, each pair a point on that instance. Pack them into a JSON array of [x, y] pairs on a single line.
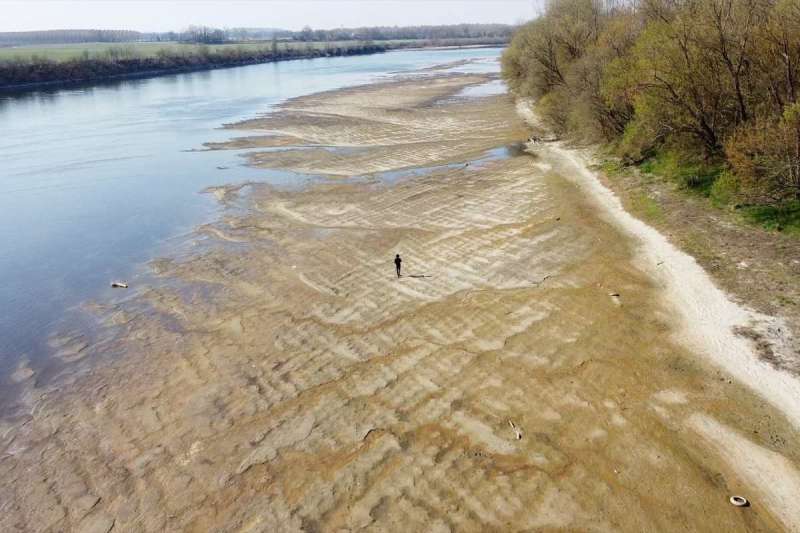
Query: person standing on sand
[[397, 263]]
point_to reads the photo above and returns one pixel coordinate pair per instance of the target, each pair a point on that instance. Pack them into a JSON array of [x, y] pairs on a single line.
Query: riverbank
[[21, 75], [759, 268], [527, 372]]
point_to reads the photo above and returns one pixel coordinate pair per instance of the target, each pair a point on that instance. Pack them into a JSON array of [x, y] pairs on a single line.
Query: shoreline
[[708, 321], [23, 88], [525, 374], [708, 316], [28, 87]]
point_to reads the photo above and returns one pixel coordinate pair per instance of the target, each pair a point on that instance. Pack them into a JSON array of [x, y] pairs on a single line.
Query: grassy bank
[[60, 65], [711, 184], [34, 66], [72, 52]]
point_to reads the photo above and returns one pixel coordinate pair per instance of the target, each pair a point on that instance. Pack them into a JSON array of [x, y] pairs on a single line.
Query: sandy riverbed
[[530, 372]]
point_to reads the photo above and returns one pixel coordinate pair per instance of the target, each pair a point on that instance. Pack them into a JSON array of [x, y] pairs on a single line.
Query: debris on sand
[[739, 501], [119, 285], [515, 429], [368, 433]]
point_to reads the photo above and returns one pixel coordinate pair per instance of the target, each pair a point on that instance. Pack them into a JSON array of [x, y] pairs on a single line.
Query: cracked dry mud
[[282, 378]]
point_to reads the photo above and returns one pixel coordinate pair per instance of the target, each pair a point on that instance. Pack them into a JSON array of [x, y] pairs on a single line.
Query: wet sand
[[528, 372]]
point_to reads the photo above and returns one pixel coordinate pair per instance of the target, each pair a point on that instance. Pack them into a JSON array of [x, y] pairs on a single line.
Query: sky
[[165, 15]]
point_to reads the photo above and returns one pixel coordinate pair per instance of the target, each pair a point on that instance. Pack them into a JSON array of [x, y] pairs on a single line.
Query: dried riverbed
[[525, 374]]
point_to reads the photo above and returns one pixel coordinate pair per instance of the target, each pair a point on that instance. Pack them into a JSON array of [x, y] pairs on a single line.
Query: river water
[[96, 181]]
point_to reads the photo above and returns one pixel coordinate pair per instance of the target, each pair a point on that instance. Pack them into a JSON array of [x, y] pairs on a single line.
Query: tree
[[714, 82], [307, 34], [765, 156]]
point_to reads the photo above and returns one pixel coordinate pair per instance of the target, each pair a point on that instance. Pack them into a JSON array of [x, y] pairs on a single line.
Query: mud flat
[[530, 372]]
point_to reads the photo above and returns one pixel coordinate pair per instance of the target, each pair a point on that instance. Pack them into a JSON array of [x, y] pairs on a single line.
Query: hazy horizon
[[175, 15]]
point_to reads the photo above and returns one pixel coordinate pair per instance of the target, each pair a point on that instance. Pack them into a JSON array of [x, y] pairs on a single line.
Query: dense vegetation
[[128, 61], [705, 91]]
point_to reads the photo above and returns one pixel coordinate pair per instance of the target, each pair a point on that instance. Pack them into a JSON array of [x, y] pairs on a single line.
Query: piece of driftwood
[[515, 429]]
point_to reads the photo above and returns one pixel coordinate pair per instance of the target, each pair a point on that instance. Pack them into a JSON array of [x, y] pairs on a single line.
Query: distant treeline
[[195, 34], [24, 38], [116, 62], [385, 33], [706, 90], [207, 35]]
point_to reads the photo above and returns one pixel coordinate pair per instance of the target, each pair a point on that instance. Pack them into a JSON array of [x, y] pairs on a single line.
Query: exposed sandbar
[[525, 374]]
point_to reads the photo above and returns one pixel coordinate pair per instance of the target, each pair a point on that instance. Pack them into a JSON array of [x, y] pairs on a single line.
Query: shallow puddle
[[492, 88]]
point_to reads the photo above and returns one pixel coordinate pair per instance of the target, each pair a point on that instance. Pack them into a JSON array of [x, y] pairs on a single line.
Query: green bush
[[782, 218], [554, 110], [686, 171], [765, 153], [636, 143], [725, 189]]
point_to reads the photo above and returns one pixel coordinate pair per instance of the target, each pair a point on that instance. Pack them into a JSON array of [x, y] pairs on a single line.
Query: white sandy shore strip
[[706, 315], [770, 472], [706, 318]]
